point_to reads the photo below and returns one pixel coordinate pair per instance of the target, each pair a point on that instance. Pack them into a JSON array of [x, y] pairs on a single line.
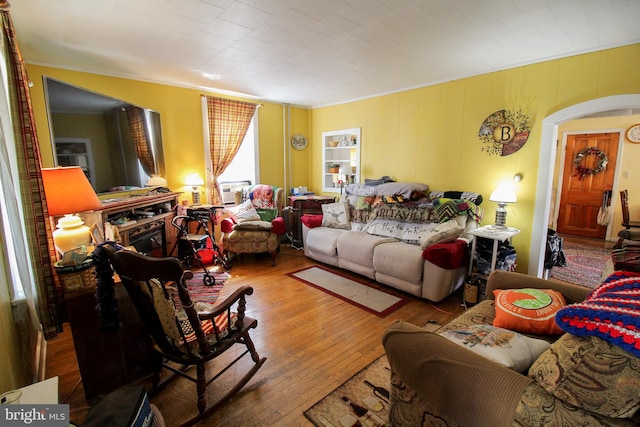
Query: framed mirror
[[117, 144]]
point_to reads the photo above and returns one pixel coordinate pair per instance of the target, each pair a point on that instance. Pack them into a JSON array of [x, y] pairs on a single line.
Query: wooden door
[[581, 196]]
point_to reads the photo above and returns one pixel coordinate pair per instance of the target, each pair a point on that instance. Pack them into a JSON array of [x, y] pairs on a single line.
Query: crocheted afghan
[[610, 312]]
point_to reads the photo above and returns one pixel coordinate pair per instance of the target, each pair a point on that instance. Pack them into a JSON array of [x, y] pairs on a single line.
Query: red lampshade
[[68, 191]]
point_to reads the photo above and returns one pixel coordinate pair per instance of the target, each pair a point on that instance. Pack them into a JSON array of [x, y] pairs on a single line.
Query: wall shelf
[[340, 158]]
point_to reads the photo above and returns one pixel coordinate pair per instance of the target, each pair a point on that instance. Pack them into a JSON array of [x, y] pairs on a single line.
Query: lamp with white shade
[[503, 195], [68, 191], [194, 181]]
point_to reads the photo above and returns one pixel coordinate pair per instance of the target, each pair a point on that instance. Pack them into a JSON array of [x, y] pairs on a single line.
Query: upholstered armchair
[[255, 225]]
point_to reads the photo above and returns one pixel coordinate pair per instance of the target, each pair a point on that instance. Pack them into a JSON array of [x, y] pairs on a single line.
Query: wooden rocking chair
[[184, 338]]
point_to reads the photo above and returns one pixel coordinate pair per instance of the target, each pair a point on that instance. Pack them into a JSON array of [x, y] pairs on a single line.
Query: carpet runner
[[376, 300], [585, 265]]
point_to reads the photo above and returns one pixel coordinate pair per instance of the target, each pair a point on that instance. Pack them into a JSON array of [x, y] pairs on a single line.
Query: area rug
[[368, 390], [376, 300], [199, 292], [584, 265]]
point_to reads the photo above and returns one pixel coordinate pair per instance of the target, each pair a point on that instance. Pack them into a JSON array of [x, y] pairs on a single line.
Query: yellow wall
[[430, 134], [427, 135], [182, 130]]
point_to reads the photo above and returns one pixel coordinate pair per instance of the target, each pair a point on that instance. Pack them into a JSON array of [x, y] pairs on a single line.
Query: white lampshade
[[504, 195], [156, 181]]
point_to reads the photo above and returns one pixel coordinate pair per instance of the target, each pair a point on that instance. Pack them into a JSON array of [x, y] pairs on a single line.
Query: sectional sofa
[[399, 234]]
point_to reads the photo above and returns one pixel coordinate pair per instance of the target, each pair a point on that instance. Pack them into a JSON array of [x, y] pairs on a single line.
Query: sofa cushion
[[243, 212], [324, 240], [447, 231], [357, 247], [590, 373], [399, 260], [253, 225], [336, 215], [508, 348], [528, 310]]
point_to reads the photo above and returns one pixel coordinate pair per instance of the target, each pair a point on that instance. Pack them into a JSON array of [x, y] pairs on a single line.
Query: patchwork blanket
[[611, 312]]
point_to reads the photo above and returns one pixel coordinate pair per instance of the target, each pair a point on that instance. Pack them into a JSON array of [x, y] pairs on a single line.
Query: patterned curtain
[[140, 136], [228, 124], [38, 229]]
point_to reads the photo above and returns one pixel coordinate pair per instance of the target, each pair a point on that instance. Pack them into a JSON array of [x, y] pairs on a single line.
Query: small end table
[[497, 234]]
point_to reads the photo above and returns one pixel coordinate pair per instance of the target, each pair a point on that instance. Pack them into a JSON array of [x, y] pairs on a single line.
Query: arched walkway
[[547, 162]]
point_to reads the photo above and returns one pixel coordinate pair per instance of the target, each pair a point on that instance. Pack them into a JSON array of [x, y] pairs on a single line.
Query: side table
[[497, 234], [301, 205]]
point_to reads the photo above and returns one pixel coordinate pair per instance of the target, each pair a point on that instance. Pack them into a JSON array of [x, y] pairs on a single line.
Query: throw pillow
[[441, 233], [335, 215], [528, 310], [243, 212], [508, 348], [590, 373]]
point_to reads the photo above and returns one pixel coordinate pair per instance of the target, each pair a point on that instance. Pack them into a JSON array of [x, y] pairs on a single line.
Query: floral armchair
[[255, 225]]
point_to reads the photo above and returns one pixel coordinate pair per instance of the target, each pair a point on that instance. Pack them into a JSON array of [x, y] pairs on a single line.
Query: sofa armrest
[[226, 225], [500, 279], [454, 383], [278, 226]]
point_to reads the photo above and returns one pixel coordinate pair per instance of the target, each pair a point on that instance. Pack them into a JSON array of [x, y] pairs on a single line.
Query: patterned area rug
[[368, 392], [201, 293], [376, 300], [585, 265]]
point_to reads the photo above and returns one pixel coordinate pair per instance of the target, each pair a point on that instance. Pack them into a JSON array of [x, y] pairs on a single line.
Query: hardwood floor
[[313, 343]]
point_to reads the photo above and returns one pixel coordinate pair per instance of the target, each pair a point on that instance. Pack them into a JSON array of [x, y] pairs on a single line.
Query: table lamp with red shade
[[68, 192]]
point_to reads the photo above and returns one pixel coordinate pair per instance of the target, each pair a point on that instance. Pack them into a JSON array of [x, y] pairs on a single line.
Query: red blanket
[[449, 255]]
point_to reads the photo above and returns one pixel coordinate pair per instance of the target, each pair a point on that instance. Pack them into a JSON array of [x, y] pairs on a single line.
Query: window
[[245, 165]]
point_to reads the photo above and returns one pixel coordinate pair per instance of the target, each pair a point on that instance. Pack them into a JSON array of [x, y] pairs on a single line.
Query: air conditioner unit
[[229, 189]]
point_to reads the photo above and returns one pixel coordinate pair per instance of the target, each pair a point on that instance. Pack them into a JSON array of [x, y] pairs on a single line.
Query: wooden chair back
[[624, 202], [146, 279]]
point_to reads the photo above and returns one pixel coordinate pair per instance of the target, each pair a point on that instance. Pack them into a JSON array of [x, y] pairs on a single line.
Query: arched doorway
[[547, 162]]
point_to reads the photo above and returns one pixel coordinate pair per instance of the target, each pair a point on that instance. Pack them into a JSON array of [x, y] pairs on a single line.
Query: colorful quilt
[[611, 312], [446, 209]]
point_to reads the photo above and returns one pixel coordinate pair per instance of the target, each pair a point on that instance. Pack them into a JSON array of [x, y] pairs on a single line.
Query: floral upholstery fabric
[[587, 371]]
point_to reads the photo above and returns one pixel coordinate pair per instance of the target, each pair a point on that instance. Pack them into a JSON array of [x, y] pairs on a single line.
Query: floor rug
[[378, 301], [199, 292], [584, 265], [368, 389]]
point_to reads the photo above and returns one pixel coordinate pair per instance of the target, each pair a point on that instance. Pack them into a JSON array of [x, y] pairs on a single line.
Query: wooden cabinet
[[149, 227], [107, 360], [340, 158], [303, 205]]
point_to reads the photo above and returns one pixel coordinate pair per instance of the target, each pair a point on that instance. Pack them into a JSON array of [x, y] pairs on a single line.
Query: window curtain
[[140, 135], [228, 122], [35, 251]]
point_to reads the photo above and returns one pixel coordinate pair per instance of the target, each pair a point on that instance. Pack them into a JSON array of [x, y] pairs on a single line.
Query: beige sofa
[[365, 249], [577, 382]]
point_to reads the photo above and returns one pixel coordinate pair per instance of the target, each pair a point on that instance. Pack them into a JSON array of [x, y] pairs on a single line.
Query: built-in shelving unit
[[340, 158]]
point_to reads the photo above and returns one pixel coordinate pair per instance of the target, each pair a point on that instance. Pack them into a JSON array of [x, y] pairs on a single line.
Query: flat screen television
[[117, 144]]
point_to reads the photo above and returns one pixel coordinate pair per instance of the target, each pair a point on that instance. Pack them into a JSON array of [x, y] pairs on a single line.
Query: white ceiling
[[314, 52]]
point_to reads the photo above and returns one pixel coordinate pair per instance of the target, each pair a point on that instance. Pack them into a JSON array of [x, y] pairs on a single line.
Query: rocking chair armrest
[[228, 302]]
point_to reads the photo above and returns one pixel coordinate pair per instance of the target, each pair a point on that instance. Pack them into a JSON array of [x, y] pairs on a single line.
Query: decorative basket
[[77, 277]]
